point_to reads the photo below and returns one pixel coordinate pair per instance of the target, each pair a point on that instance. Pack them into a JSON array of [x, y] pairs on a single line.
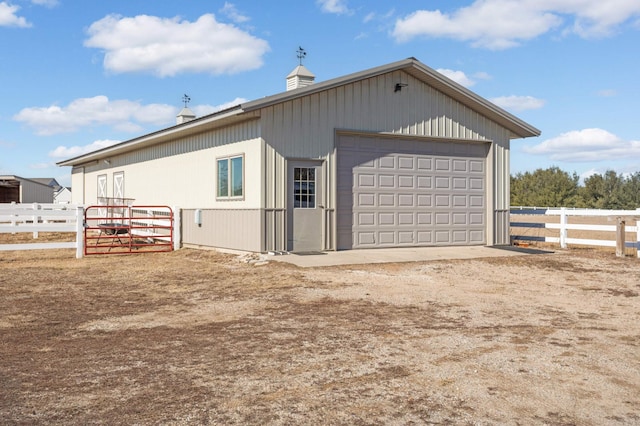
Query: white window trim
[[229, 180]]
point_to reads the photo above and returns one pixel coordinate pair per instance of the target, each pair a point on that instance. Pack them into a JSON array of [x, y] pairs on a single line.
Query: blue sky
[[77, 75]]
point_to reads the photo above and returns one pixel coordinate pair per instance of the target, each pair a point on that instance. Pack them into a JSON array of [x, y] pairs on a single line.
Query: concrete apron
[[402, 254]]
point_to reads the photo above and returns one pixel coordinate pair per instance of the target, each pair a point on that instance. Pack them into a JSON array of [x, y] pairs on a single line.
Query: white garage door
[[400, 193]]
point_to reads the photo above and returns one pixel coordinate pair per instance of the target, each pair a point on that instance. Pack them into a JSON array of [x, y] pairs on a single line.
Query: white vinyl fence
[[622, 222], [35, 218]]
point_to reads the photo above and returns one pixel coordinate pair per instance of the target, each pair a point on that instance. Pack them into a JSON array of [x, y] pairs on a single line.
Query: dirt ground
[[199, 337]]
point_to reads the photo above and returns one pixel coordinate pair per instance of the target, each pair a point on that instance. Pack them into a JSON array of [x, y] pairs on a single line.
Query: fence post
[[177, 227], [638, 238], [35, 219], [563, 227], [79, 232], [14, 220], [620, 237]]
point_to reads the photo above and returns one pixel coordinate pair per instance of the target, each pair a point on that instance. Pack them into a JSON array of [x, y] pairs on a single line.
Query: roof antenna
[[301, 54], [186, 99]]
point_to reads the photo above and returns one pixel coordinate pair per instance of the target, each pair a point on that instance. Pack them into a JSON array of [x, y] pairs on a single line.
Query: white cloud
[[166, 47], [458, 76], [230, 11], [587, 174], [607, 93], [123, 114], [518, 103], [9, 17], [63, 152], [586, 145], [47, 3], [515, 21], [368, 17], [202, 110], [339, 7]]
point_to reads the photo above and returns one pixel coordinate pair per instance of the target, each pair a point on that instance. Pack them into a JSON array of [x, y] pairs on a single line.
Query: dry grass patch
[[197, 337]]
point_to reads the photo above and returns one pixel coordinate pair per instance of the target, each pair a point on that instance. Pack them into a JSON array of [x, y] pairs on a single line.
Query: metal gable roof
[[422, 72], [517, 127]]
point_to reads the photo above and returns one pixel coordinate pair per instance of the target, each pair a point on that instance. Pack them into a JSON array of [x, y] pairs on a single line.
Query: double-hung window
[[230, 177]]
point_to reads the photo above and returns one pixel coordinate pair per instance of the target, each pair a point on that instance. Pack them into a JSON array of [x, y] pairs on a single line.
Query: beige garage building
[[393, 156]]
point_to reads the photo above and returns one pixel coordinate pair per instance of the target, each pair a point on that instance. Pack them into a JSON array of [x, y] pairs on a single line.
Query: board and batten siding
[[306, 128]]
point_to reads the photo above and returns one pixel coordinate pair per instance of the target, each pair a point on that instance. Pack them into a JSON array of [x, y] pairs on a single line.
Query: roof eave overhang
[[223, 118]]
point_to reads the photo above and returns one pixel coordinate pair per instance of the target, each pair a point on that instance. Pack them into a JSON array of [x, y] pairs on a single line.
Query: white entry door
[[305, 206]]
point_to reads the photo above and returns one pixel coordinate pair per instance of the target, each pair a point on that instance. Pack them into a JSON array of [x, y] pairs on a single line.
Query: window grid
[[304, 187]]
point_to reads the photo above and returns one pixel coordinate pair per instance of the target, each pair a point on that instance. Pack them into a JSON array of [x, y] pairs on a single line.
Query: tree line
[[553, 187]]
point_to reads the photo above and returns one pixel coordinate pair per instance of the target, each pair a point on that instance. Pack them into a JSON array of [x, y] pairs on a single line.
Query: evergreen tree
[[550, 187]]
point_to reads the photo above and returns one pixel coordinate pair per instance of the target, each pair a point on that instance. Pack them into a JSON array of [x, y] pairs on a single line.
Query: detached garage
[[393, 156]]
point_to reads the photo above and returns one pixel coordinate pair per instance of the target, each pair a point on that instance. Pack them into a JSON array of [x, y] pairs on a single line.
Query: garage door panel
[[424, 237], [443, 164], [476, 219], [459, 236], [459, 219], [386, 200], [388, 162], [424, 200], [406, 200], [387, 238], [476, 201], [394, 192], [406, 218], [476, 236], [405, 237], [366, 238], [406, 163], [424, 218], [459, 165], [424, 163], [387, 219], [386, 181], [366, 200], [443, 200], [442, 219], [443, 237], [424, 182], [459, 183], [368, 218], [442, 182], [366, 180], [459, 201], [476, 166], [406, 182], [476, 184]]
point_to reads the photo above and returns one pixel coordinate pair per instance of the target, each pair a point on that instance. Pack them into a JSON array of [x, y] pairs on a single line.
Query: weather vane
[[301, 54], [186, 99]]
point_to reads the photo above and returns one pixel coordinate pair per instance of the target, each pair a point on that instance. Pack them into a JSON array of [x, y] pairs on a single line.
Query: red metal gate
[[120, 229]]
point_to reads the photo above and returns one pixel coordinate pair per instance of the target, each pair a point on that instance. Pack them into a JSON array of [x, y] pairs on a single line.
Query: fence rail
[[157, 224], [35, 218], [619, 219], [118, 229]]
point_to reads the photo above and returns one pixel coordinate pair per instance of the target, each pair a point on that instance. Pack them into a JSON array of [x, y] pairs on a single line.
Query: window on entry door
[[304, 187]]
